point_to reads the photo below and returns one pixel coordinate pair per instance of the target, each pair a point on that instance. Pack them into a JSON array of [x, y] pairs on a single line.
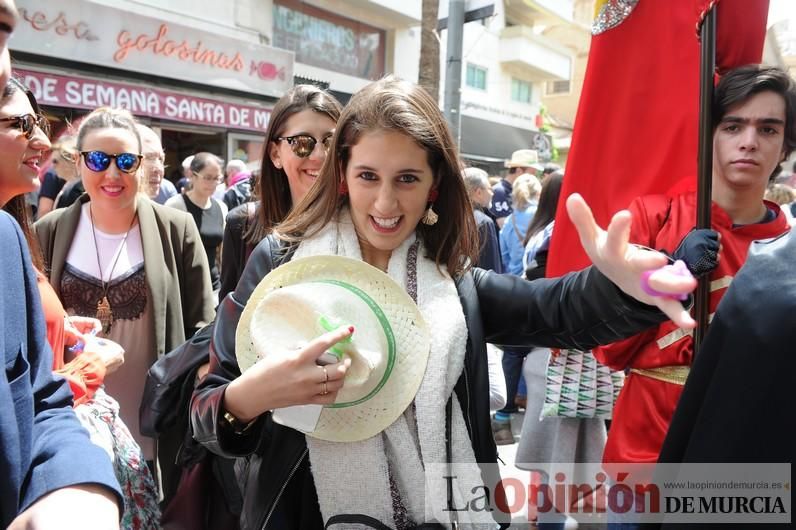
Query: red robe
[[638, 110], [645, 406]]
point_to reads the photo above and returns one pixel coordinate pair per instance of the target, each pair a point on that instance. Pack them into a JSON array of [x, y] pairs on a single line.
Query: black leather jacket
[[579, 310]]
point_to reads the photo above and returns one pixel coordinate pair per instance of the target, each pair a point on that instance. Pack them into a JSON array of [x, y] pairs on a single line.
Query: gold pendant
[[104, 314]]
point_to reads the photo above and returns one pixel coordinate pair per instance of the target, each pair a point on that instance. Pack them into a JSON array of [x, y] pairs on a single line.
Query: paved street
[[507, 469]]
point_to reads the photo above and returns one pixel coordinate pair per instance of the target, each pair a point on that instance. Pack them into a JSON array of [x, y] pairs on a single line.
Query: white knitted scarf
[[353, 477]]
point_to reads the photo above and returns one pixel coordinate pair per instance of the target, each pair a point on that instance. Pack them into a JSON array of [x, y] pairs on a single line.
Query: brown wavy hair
[[391, 104], [17, 206], [272, 186]]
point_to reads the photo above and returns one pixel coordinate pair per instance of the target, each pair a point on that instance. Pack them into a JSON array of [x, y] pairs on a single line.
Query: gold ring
[[325, 389]]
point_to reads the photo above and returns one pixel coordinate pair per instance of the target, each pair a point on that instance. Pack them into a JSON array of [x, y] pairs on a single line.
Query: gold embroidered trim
[[669, 374], [670, 338]]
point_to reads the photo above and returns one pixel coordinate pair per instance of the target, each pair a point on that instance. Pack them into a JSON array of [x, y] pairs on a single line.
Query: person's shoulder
[[481, 218], [167, 212], [167, 185], [220, 204], [240, 213], [51, 218], [175, 202], [8, 226]]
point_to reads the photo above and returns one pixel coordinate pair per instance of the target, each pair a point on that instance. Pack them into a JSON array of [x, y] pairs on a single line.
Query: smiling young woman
[[116, 255], [83, 361], [391, 194], [297, 139]]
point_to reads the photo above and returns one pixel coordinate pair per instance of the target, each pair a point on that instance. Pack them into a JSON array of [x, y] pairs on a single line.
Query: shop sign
[[83, 93], [77, 30], [328, 41]]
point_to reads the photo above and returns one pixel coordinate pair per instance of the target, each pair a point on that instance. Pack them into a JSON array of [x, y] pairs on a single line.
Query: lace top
[[127, 294]]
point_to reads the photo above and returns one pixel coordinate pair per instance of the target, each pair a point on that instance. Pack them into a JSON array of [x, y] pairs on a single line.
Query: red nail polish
[[351, 329]]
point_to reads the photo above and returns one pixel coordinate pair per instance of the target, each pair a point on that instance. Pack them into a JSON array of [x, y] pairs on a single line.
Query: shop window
[[476, 77], [248, 148], [520, 91], [327, 40]]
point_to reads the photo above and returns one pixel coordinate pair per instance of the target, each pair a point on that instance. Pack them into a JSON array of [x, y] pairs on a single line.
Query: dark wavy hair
[[272, 186], [740, 84], [548, 203], [391, 104], [16, 206]]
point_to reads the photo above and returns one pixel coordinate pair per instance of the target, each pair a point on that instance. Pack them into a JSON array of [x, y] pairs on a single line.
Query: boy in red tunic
[[753, 124]]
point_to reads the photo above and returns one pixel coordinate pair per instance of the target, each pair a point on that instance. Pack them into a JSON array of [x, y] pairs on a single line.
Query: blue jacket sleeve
[[51, 449], [506, 233]]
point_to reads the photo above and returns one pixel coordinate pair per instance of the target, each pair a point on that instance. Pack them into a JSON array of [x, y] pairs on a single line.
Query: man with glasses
[[153, 169], [52, 475], [477, 183]]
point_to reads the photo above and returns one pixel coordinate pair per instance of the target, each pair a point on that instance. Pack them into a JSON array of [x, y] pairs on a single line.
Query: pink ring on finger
[[678, 267]]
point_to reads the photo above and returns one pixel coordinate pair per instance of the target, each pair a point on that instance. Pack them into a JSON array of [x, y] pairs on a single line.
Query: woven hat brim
[[412, 336]]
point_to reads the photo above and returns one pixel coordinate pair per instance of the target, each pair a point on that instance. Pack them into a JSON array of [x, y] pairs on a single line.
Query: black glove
[[699, 249]]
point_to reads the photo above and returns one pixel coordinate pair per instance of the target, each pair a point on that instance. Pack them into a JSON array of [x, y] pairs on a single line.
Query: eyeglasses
[[27, 124], [209, 178], [98, 161], [303, 144], [154, 158]]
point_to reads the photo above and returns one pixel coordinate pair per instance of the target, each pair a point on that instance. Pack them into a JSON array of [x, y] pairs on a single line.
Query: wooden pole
[[705, 161]]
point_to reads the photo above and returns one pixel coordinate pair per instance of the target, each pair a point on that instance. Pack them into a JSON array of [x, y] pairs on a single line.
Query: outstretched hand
[[624, 264]]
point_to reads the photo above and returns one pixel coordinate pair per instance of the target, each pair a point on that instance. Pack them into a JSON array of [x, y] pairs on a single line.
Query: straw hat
[[525, 158], [306, 297]]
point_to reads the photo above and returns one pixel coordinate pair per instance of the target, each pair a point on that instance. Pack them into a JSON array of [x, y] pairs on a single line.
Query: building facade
[[507, 61], [199, 72], [206, 74]]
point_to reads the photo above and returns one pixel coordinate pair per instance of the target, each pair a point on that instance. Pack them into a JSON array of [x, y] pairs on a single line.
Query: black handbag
[[170, 383]]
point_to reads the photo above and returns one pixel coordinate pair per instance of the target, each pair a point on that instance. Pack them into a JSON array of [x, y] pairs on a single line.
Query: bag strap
[[514, 226], [366, 520], [356, 518], [248, 248]]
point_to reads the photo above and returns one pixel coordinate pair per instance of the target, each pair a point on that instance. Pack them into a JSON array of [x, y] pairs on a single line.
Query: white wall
[[248, 20], [481, 46]]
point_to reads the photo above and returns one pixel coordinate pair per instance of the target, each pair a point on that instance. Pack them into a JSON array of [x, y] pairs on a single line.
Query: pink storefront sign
[[83, 93]]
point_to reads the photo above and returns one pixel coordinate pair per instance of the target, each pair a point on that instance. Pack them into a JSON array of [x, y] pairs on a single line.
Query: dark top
[[44, 446], [501, 200], [181, 183], [238, 194], [578, 311], [70, 194], [489, 253], [211, 229], [51, 185], [735, 404], [235, 250]]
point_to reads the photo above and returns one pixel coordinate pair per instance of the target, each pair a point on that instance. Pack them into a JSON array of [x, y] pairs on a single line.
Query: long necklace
[[104, 311]]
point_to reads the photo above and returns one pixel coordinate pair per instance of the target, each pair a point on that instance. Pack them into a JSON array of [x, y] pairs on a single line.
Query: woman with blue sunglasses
[[135, 265], [79, 357]]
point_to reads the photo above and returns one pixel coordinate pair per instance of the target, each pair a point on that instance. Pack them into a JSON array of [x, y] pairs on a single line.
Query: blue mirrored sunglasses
[[100, 161]]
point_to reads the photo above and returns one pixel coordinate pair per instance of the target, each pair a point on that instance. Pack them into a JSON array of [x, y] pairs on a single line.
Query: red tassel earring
[[342, 190]]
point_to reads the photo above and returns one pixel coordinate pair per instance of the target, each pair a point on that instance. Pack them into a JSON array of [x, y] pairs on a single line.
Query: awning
[[490, 141]]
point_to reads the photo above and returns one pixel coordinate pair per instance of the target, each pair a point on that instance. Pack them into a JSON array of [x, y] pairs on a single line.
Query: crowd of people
[[125, 275]]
